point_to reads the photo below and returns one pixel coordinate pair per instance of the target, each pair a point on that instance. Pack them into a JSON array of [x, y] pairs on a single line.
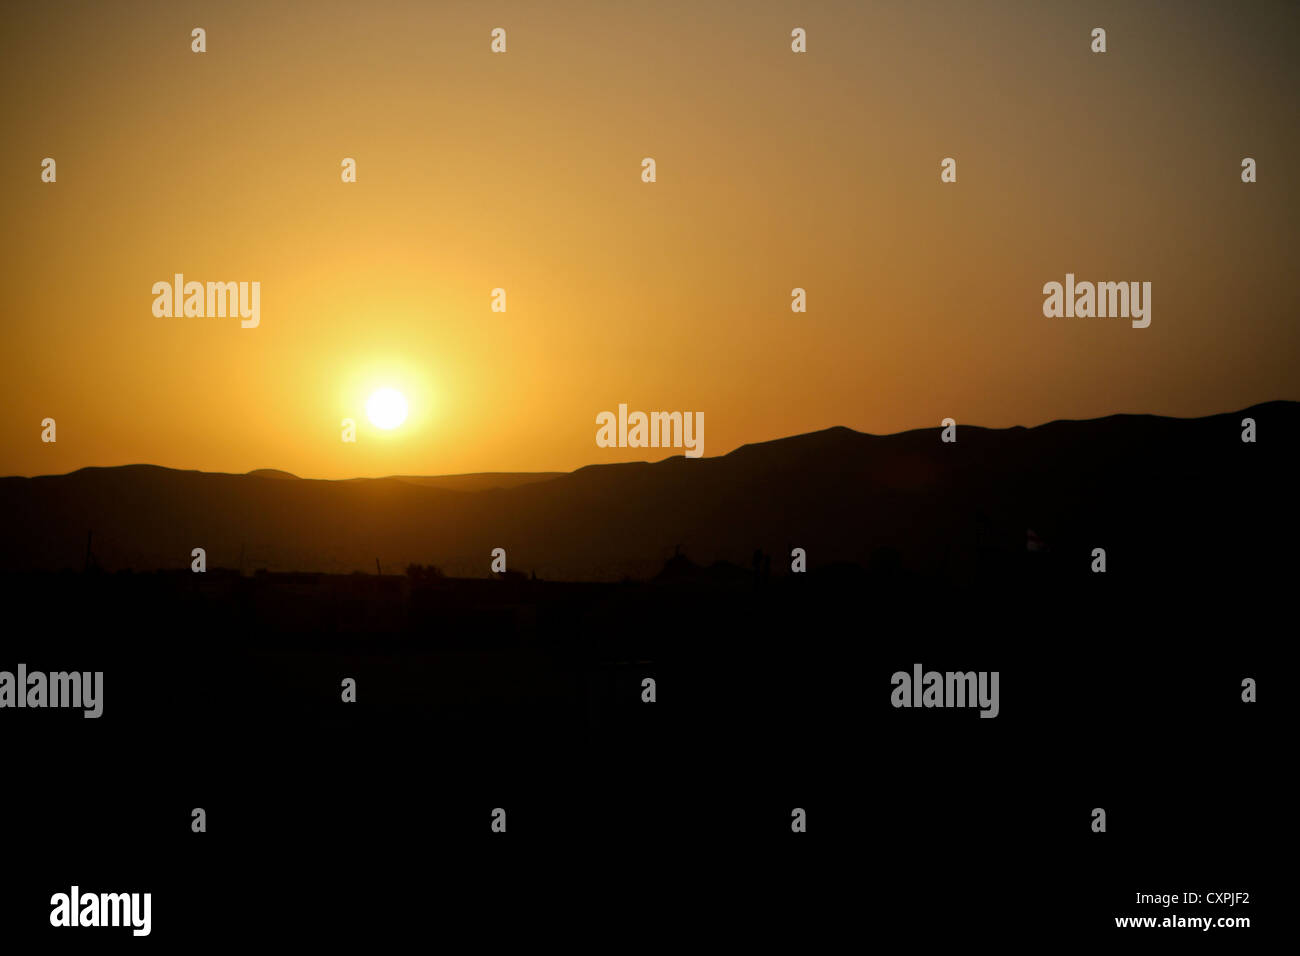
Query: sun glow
[[386, 408]]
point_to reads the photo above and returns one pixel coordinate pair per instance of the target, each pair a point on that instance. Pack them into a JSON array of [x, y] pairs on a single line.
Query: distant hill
[[485, 481], [1161, 494]]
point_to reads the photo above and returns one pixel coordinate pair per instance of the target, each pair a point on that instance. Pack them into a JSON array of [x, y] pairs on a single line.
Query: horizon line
[[252, 472]]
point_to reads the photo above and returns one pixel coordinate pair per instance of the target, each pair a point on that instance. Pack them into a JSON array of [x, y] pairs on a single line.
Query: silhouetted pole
[[378, 571]]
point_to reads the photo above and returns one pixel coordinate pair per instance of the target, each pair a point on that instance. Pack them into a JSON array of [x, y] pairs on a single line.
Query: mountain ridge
[[1160, 486], [541, 475]]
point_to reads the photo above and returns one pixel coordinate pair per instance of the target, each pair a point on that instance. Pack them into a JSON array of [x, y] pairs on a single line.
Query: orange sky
[[522, 171]]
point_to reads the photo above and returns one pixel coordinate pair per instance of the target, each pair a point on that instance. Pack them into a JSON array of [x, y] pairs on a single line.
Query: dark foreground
[[1120, 691]]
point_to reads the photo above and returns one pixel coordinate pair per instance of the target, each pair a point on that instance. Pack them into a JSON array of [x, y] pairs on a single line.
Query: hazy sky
[[523, 171]]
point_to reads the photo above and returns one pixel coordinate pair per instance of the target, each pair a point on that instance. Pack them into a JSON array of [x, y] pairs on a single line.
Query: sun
[[386, 408]]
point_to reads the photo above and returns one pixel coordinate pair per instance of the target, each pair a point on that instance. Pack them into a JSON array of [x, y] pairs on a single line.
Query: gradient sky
[[522, 171]]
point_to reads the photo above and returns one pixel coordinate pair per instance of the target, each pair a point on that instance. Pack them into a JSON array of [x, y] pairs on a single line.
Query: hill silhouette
[[1156, 492]]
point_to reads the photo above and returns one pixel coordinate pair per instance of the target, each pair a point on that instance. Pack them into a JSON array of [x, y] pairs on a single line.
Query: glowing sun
[[386, 408]]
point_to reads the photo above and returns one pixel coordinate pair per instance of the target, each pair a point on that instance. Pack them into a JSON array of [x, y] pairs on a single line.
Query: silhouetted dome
[[678, 566]]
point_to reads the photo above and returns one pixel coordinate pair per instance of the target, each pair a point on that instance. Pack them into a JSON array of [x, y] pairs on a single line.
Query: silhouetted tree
[[423, 574]]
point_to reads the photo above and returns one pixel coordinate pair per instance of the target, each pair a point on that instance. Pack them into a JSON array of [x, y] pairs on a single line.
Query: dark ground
[[1119, 691]]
